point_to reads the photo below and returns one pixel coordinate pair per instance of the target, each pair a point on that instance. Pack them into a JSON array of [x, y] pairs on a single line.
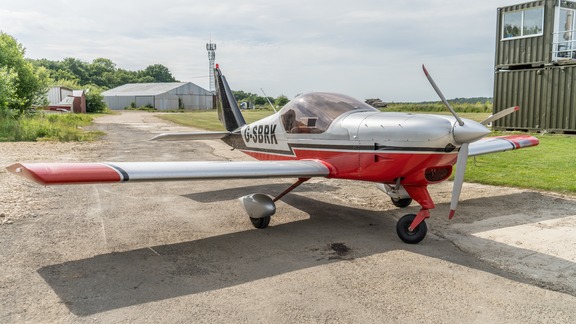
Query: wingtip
[[25, 172], [15, 168], [157, 137], [452, 212]]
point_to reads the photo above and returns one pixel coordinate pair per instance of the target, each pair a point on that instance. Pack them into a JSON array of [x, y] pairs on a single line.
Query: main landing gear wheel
[[414, 236], [401, 203], [260, 222]]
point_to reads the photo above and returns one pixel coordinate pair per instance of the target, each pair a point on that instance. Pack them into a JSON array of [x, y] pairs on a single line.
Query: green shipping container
[[545, 96], [535, 66]]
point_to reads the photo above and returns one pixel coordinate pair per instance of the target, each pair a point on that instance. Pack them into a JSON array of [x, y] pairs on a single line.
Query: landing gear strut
[[261, 207]]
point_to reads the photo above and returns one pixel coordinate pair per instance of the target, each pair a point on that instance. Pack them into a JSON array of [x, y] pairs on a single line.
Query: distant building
[[376, 103], [161, 96], [535, 66], [66, 100], [56, 94]]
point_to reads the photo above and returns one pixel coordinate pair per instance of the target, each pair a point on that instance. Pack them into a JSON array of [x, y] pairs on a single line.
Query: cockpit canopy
[[314, 112]]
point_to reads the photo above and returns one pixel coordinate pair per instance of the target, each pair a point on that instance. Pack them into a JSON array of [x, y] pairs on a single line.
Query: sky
[[362, 48]]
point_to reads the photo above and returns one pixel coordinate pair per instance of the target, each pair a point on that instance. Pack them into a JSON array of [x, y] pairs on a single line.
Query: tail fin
[[228, 111]]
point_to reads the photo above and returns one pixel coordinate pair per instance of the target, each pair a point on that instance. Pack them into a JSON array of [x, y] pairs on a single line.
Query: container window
[[533, 22], [523, 23], [512, 24], [566, 40]]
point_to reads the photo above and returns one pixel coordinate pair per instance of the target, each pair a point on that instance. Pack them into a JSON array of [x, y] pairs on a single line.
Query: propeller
[[458, 178], [464, 134], [429, 77], [499, 115]]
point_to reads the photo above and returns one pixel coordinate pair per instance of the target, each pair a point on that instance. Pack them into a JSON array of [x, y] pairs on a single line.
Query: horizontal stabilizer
[[501, 144], [76, 173], [190, 136]]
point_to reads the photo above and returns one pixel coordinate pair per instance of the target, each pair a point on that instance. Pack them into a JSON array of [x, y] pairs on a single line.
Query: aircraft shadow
[[333, 233], [270, 189]]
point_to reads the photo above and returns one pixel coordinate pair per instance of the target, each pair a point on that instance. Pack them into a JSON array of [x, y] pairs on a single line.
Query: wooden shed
[[67, 100]]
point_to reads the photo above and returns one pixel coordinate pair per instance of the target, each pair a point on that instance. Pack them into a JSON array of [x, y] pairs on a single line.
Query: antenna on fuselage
[[270, 102]]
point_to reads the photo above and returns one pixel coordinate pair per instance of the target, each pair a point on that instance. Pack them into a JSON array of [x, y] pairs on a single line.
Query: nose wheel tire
[[260, 222], [401, 203], [414, 236]]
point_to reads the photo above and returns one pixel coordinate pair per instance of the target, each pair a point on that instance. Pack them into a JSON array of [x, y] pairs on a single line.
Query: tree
[[260, 101], [241, 95], [281, 101], [159, 73], [8, 96], [102, 72], [78, 68], [30, 84]]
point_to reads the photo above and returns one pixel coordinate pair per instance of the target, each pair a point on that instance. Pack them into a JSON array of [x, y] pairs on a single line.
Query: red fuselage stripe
[[371, 166]]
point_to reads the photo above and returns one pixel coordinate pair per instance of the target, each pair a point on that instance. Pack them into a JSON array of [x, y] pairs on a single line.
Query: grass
[[550, 166], [208, 120], [432, 107], [46, 127]]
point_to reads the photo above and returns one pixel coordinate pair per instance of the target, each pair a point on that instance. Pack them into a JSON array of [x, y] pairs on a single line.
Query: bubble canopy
[[314, 112]]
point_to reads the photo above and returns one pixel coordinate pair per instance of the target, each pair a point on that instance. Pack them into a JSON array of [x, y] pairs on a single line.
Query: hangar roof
[[140, 89]]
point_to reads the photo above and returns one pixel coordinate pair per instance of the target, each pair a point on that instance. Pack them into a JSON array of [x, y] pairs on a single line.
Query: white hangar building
[[161, 96]]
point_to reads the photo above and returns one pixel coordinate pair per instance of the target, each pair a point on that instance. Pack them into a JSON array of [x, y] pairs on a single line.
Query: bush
[[95, 101], [46, 127], [147, 107]]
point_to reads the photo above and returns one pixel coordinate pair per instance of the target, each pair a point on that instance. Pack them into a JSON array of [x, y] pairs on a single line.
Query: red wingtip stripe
[[66, 173], [452, 212], [516, 108], [521, 141]]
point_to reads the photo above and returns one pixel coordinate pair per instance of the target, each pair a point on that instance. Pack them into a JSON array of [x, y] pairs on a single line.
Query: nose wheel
[[260, 222], [401, 202], [407, 235]]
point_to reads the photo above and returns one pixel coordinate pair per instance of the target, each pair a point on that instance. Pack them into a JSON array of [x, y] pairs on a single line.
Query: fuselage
[[354, 140]]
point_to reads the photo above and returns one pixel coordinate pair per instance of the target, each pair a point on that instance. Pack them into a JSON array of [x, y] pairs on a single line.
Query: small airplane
[[318, 135]]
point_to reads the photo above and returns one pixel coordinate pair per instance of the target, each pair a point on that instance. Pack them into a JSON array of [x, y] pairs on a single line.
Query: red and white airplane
[[318, 135]]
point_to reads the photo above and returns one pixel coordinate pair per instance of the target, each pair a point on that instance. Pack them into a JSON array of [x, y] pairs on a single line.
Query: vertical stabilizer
[[228, 111]]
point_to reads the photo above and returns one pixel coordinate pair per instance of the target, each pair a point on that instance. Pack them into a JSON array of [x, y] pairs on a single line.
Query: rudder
[[228, 110]]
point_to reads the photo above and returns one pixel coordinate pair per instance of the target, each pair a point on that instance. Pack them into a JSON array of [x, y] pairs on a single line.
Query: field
[[549, 166]]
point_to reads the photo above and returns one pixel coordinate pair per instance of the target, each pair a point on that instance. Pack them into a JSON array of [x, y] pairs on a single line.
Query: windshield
[[314, 112]]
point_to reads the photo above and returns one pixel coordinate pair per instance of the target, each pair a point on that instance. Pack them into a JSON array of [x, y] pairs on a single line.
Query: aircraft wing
[[501, 144], [76, 173]]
